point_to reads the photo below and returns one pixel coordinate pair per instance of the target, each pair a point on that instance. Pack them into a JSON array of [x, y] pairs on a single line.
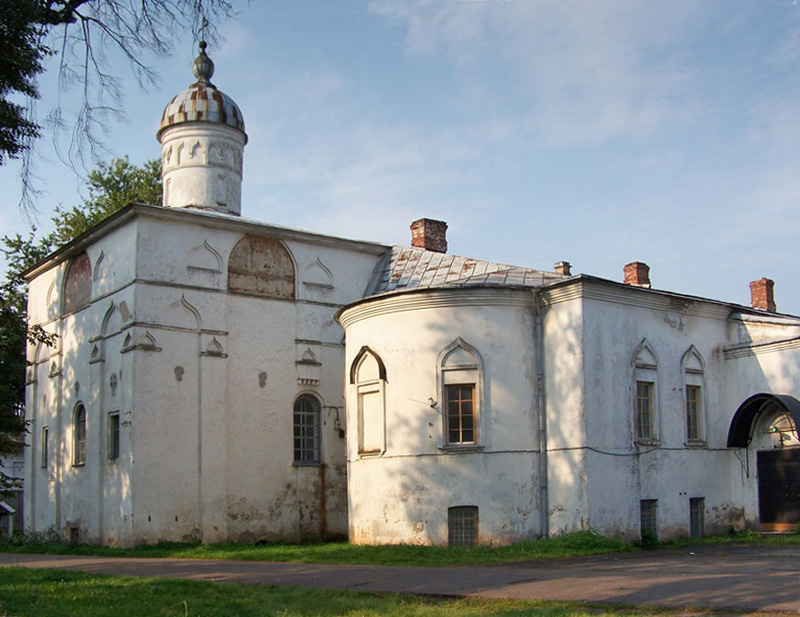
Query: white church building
[[217, 378]]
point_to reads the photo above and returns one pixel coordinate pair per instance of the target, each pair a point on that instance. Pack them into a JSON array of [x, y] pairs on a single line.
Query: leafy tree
[[21, 55], [111, 186], [81, 33]]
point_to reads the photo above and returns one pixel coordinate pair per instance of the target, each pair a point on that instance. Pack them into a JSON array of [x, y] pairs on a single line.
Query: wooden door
[[779, 488]]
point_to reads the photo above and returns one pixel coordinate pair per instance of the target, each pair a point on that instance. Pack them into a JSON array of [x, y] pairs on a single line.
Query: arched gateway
[[768, 423]]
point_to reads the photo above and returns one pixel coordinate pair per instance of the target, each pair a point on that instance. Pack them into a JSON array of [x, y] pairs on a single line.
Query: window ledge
[[648, 442], [456, 449], [306, 464], [695, 444]]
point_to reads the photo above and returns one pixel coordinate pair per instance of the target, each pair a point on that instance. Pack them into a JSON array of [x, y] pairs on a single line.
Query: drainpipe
[[541, 400]]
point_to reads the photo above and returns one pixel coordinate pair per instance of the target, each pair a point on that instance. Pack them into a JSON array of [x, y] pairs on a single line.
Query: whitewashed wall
[[403, 494], [204, 380]]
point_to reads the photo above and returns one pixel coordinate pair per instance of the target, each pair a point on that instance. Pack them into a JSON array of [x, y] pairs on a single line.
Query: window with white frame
[[79, 435], [460, 375], [368, 373], [645, 393], [693, 369], [307, 420]]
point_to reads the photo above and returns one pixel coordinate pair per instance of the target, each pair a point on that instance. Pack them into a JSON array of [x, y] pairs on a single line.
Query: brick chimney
[[564, 268], [762, 295], [637, 274], [429, 234]]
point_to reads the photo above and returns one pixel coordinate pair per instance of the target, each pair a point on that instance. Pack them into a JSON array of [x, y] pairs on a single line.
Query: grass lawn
[[54, 593], [569, 545], [581, 543]]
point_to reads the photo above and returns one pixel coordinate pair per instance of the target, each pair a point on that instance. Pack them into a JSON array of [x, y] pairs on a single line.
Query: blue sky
[[593, 131]]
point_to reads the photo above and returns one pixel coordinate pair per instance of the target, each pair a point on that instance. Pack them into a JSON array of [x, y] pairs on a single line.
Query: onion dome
[[202, 101]]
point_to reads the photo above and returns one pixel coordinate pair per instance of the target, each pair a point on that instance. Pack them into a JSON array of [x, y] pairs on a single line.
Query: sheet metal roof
[[413, 268]]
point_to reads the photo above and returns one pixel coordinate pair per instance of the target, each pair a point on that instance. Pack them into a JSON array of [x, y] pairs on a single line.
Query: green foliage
[[569, 545], [87, 28], [649, 539], [111, 186], [21, 55]]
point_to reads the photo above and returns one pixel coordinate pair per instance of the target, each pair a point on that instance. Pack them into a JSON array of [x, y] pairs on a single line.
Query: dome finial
[[203, 67]]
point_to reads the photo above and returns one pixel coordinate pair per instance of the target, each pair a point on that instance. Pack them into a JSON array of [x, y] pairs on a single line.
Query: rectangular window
[[460, 406], [113, 436], [644, 410], [649, 522], [462, 526], [697, 509], [371, 421], [694, 407], [45, 446]]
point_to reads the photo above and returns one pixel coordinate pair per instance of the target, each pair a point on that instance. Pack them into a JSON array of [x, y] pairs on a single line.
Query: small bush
[[649, 539]]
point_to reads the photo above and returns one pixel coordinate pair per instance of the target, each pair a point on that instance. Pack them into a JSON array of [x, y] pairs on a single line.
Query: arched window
[[460, 375], [262, 267], [693, 369], [645, 393], [307, 420], [77, 284], [368, 373], [79, 435]]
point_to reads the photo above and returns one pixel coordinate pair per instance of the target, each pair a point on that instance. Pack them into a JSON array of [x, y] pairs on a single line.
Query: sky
[[597, 132]]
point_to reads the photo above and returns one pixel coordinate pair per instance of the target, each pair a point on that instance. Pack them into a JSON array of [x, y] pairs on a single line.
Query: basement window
[[462, 526], [649, 519]]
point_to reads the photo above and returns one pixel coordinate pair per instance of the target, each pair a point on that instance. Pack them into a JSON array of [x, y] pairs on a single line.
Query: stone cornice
[[758, 348], [428, 298], [203, 219], [602, 290]]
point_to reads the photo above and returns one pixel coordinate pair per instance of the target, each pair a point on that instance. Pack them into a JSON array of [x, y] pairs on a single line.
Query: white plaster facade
[[556, 449], [217, 378], [203, 378]]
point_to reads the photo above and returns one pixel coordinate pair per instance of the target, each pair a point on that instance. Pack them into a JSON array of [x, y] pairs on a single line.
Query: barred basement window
[[307, 418], [649, 520], [462, 526], [697, 509]]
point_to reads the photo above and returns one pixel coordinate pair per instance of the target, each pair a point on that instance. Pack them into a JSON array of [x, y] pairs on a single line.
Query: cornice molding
[[600, 290], [210, 220], [423, 299], [759, 348]]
